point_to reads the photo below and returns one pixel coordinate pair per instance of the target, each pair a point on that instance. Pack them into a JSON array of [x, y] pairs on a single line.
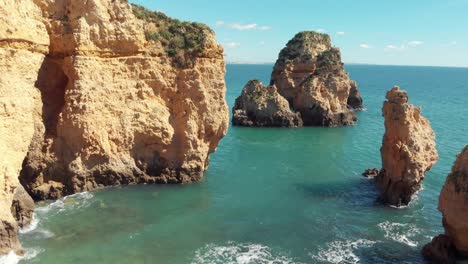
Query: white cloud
[[321, 30], [248, 27], [391, 47], [264, 28], [231, 45], [220, 23], [415, 43], [340, 33], [261, 43], [453, 43], [365, 46]]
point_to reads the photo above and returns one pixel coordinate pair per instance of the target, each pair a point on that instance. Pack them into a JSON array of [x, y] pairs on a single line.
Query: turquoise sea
[[271, 195]]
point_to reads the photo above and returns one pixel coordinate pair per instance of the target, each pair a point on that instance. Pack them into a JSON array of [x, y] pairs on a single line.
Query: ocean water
[[271, 195]]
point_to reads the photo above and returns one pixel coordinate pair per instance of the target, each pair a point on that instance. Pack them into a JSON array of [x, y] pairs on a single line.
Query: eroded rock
[[310, 75], [92, 95], [453, 203], [408, 149], [262, 106]]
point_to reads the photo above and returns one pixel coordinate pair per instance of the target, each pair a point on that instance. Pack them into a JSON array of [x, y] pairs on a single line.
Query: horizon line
[[351, 63]]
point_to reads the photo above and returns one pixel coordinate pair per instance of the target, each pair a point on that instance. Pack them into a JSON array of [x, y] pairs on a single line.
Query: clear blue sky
[[397, 32]]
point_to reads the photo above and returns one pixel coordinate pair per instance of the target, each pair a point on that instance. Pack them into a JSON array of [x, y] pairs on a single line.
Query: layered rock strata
[[408, 149], [309, 74], [453, 203], [100, 93], [262, 106]]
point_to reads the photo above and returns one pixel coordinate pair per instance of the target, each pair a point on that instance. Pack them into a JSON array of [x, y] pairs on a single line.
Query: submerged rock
[[408, 149], [93, 95], [371, 173], [309, 74], [262, 106]]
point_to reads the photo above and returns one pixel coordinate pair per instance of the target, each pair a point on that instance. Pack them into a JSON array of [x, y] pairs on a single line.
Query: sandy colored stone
[[310, 75], [408, 149], [453, 203], [263, 106], [98, 104]]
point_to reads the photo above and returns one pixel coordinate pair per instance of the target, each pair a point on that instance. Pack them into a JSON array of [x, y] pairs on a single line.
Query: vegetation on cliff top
[[182, 41], [304, 39]]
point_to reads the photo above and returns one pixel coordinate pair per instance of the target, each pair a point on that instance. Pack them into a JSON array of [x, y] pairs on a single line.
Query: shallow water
[[271, 195]]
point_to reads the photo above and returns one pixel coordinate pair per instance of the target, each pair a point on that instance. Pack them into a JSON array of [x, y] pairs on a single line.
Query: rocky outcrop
[[440, 250], [262, 106], [371, 173], [310, 75], [453, 203], [99, 93], [408, 149]]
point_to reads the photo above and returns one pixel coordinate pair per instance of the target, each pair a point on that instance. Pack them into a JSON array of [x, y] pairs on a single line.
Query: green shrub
[[182, 41]]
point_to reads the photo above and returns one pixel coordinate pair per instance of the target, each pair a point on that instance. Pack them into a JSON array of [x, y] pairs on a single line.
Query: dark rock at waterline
[[440, 250], [262, 106], [22, 207], [371, 173]]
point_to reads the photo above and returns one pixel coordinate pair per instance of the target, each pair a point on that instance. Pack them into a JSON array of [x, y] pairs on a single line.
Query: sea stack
[[408, 149], [101, 93], [453, 203], [309, 74], [262, 106]]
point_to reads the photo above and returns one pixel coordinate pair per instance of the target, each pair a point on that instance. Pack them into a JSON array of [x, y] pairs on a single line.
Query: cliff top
[[305, 45], [181, 41], [397, 96]]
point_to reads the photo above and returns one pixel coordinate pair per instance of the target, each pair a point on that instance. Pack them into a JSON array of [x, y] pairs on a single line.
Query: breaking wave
[[342, 251], [12, 258], [233, 253], [402, 233]]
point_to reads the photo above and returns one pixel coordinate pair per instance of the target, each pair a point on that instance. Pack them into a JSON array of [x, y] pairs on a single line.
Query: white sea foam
[[12, 258], [342, 251], [32, 226], [398, 232], [233, 253], [72, 202]]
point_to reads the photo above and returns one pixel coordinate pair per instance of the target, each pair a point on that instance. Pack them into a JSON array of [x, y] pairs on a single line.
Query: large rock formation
[[97, 93], [408, 149], [309, 74], [453, 203], [262, 106]]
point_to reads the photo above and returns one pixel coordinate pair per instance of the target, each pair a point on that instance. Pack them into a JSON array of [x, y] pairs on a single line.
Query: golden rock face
[[309, 73], [453, 203], [91, 102], [408, 149]]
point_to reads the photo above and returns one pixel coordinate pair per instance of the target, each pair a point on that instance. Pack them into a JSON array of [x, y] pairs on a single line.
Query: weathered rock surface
[[102, 95], [453, 203], [262, 106], [440, 250], [408, 149], [310, 75]]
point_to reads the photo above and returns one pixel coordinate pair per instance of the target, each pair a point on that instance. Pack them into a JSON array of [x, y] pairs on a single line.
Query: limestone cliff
[[408, 149], [310, 75], [453, 203], [262, 106], [97, 93]]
